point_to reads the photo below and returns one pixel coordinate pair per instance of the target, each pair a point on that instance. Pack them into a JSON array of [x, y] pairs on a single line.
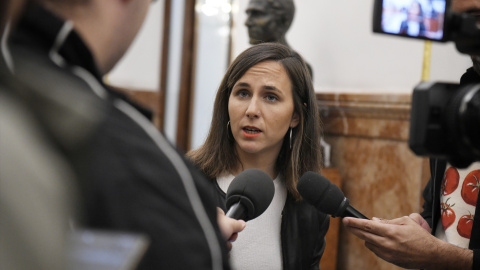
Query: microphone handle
[[237, 211], [352, 212]]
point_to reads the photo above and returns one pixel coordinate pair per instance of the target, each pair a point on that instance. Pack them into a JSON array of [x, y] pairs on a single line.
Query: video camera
[[445, 117]]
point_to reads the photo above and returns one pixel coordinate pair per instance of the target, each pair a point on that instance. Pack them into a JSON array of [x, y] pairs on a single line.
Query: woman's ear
[[295, 120]]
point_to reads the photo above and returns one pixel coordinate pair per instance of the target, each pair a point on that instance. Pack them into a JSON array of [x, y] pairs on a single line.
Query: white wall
[[335, 38], [211, 63], [174, 69], [140, 66]]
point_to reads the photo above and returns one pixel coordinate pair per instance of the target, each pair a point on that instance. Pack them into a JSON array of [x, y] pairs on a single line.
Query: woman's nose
[[253, 110]]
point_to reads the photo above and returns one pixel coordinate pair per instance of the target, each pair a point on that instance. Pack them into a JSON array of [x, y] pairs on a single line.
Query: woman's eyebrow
[[271, 88], [242, 84], [265, 87]]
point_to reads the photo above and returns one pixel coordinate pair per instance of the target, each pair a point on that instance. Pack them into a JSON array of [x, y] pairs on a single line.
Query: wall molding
[[382, 115]]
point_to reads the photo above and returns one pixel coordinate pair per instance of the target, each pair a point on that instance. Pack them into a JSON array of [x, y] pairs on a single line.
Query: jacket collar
[[48, 34], [53, 35]]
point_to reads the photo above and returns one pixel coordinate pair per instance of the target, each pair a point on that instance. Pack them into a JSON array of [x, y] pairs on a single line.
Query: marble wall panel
[[379, 174]]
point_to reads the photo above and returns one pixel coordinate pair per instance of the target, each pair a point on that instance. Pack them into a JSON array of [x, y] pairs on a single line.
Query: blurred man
[[446, 235], [130, 178]]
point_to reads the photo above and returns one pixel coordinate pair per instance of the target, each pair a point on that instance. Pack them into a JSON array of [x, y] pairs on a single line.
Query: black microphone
[[325, 196], [249, 194]]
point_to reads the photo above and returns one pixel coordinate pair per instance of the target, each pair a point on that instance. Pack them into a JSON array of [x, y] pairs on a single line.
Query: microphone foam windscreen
[[254, 189], [320, 192]]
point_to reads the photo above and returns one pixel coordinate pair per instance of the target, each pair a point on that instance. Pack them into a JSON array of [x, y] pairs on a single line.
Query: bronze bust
[[269, 21]]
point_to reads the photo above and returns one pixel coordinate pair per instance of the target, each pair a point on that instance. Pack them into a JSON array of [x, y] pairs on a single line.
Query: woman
[[266, 117], [413, 25]]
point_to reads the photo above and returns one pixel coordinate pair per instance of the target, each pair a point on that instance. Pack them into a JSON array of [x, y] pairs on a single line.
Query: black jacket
[[303, 232], [130, 178]]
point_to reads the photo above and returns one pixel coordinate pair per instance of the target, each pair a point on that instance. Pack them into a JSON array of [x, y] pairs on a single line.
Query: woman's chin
[[249, 147]]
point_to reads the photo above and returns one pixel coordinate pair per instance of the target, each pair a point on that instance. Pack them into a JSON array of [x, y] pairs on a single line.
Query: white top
[[258, 246], [413, 28]]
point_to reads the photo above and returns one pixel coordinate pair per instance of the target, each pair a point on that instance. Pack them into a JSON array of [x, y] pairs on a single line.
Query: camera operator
[[446, 235]]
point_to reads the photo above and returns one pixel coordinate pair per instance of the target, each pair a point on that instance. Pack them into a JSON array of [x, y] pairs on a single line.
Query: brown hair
[[217, 155]]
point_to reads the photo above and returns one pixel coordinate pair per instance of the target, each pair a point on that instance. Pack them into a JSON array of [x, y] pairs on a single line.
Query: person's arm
[[463, 5], [407, 242]]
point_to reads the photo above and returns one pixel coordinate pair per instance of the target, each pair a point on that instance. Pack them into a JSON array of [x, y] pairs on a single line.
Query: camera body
[[445, 122], [445, 117]]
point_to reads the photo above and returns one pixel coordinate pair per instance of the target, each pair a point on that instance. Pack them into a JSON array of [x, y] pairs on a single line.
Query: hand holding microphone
[[248, 196], [229, 227], [400, 241], [325, 196]]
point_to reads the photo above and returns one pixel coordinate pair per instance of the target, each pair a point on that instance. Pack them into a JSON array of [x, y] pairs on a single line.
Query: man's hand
[[420, 221], [407, 242], [229, 227]]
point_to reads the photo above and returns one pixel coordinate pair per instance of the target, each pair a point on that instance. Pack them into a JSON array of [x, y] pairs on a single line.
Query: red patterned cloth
[[460, 188]]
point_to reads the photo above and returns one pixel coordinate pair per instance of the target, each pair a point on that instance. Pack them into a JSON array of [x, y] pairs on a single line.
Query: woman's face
[[261, 109], [414, 10]]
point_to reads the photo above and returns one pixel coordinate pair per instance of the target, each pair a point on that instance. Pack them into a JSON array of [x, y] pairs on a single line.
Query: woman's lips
[[251, 132]]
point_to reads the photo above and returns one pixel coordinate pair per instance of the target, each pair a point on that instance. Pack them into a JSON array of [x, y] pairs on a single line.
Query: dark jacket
[[131, 179], [431, 208], [303, 232]]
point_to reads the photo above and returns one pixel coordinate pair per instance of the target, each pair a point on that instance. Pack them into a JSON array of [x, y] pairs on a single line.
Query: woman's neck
[[265, 162]]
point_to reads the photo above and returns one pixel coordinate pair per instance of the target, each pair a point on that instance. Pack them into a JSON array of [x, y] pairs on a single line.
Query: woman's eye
[[271, 98], [242, 94]]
